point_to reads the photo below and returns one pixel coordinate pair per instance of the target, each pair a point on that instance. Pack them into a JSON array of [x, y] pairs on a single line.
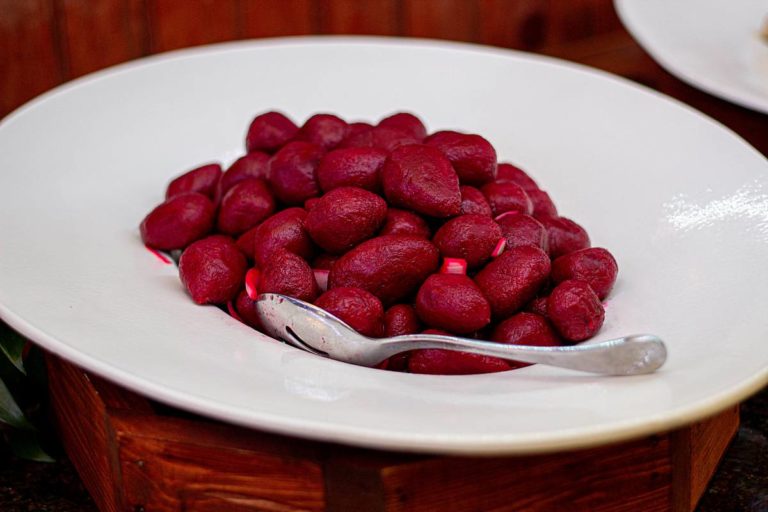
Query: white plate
[[680, 200], [714, 45]]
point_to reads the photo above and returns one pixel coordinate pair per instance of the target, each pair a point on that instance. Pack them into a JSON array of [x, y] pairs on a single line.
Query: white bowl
[[680, 200]]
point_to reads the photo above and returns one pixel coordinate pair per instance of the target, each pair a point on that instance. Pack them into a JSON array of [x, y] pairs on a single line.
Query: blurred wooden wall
[[46, 42]]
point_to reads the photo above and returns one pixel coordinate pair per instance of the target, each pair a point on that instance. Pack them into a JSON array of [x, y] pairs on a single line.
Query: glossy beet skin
[[325, 130], [246, 308], [473, 201], [178, 222], [473, 158], [526, 329], [470, 237], [595, 266], [519, 229], [406, 123], [269, 131], [245, 206], [420, 178], [450, 362], [381, 137], [202, 180], [565, 236], [345, 217], [512, 279], [575, 310], [351, 167], [284, 230], [507, 197], [252, 165], [542, 204], [403, 222], [512, 174], [288, 274], [292, 172], [401, 319], [391, 266], [212, 270], [356, 307], [452, 302]]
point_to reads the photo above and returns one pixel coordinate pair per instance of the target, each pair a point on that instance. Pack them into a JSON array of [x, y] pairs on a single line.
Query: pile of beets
[[392, 230]]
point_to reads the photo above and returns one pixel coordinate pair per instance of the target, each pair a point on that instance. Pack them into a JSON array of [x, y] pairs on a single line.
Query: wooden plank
[[274, 18], [441, 19], [577, 19], [100, 33], [29, 63], [376, 17], [513, 23], [174, 24]]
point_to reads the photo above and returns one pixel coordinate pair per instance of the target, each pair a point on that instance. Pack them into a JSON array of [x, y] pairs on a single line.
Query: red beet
[[473, 157], [351, 167], [246, 242], [526, 329], [507, 197], [520, 229], [449, 362], [201, 179], [283, 231], [390, 266], [565, 236], [595, 266], [542, 203], [512, 279], [575, 310], [358, 127], [401, 319], [473, 201], [407, 123], [244, 206], [452, 302], [470, 237], [288, 274], [381, 137], [420, 178], [325, 130], [212, 270], [269, 131], [292, 172], [178, 222], [538, 305], [324, 262], [311, 203], [358, 308], [252, 165], [344, 217], [246, 308], [403, 222], [513, 174]]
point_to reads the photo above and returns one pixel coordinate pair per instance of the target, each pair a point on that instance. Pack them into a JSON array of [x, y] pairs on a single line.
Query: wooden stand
[[134, 455]]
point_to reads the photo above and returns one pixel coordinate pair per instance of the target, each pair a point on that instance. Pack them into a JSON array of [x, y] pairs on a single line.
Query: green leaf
[[9, 410], [12, 345], [26, 445]]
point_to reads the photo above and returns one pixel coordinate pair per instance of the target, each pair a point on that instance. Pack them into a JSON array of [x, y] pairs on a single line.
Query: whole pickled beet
[[470, 237], [526, 329], [344, 217], [595, 266], [403, 222], [434, 361], [512, 279], [288, 274], [473, 201], [520, 229], [452, 302], [246, 308], [244, 206], [246, 244], [202, 179], [269, 131], [283, 231], [407, 123], [401, 319], [325, 130], [542, 203], [391, 266], [252, 165], [311, 203], [292, 172], [507, 197], [420, 178], [357, 127], [575, 310], [473, 157], [565, 236], [351, 167], [178, 222], [358, 308], [538, 305], [212, 270], [513, 174], [382, 137]]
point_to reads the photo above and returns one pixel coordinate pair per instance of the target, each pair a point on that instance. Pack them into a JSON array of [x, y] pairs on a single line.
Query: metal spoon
[[310, 328]]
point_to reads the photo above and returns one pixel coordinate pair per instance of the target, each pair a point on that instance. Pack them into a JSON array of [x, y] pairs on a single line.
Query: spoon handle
[[630, 355]]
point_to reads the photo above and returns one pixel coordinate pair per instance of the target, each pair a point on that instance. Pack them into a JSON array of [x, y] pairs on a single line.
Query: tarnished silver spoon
[[310, 328]]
